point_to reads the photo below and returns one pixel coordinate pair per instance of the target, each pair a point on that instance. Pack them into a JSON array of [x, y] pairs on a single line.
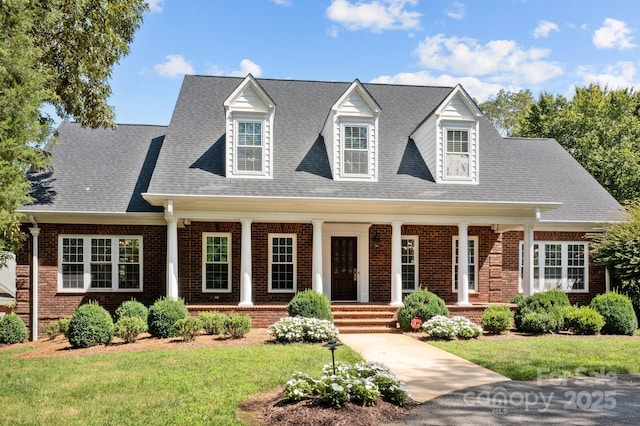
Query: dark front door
[[344, 268]]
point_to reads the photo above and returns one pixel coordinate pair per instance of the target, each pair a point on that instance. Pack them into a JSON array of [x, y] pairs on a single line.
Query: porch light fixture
[[332, 345], [376, 240]]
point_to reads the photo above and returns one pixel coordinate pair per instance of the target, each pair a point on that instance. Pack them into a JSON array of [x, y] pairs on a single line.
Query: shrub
[[297, 329], [496, 319], [442, 327], [213, 322], [540, 322], [362, 383], [517, 299], [617, 311], [188, 328], [90, 325], [584, 320], [549, 301], [129, 328], [310, 304], [132, 308], [236, 326], [51, 329], [163, 314], [423, 304], [63, 324], [12, 329]]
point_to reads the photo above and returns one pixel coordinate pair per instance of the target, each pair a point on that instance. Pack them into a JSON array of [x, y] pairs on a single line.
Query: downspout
[[35, 232]]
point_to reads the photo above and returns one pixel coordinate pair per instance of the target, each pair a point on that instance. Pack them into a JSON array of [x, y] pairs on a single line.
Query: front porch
[[349, 318]]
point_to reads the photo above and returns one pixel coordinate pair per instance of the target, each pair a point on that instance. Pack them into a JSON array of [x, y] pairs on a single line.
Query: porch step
[[364, 318]]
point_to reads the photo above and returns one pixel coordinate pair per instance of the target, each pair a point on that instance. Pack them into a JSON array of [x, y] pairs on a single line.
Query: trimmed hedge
[[617, 311], [163, 315], [188, 328], [310, 304], [129, 328], [236, 326], [132, 308], [496, 319], [548, 302], [583, 320], [90, 325], [12, 329], [213, 322], [541, 322], [423, 304]]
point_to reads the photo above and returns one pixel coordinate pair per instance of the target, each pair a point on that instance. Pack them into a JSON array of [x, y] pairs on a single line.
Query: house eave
[[96, 217]]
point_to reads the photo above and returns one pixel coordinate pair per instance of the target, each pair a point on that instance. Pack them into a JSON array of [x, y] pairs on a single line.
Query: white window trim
[[565, 265], [445, 130], [295, 262], [87, 264], [249, 119], [343, 148], [204, 262], [475, 266], [416, 260]]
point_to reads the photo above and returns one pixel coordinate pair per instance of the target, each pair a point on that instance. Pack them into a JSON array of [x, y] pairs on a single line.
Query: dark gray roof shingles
[[191, 160]]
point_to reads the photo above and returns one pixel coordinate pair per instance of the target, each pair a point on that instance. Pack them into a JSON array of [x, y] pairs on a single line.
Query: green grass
[[180, 386], [521, 359]]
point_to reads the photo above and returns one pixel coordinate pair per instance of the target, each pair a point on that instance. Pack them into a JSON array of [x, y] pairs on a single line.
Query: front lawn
[[523, 358], [179, 386]]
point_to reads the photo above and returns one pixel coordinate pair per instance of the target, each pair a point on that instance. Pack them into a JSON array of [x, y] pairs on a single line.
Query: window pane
[[355, 162], [457, 165], [408, 277], [249, 159], [73, 276], [101, 275], [472, 265], [129, 250], [217, 263], [129, 276], [282, 263], [217, 277], [282, 276]]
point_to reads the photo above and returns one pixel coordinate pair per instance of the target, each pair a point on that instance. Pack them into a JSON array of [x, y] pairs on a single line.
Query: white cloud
[[544, 28], [376, 15], [155, 6], [282, 2], [499, 60], [620, 75], [175, 66], [456, 11], [246, 67], [333, 32], [478, 89], [613, 34]]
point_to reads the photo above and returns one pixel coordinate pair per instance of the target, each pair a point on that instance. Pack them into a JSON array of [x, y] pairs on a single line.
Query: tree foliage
[[59, 53], [598, 126], [618, 248]]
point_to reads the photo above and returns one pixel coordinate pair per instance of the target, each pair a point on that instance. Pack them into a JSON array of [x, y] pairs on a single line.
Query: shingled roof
[[187, 158]]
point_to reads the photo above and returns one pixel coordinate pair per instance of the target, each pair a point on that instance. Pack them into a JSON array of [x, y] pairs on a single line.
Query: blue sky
[[541, 45]]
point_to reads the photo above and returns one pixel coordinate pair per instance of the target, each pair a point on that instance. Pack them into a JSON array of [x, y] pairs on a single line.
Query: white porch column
[[172, 252], [463, 265], [316, 262], [35, 232], [527, 260], [245, 262], [396, 264]]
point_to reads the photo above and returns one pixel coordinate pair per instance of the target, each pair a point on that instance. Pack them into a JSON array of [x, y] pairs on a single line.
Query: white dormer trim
[[351, 135], [458, 117], [249, 114]]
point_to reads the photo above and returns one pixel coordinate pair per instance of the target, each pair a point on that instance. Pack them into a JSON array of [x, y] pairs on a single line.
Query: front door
[[344, 268]]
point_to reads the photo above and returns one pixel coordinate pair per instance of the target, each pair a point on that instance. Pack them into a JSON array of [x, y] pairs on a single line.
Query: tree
[[61, 53], [507, 110], [618, 248]]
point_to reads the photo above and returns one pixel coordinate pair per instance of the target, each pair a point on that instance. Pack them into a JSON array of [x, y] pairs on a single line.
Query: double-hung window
[[409, 264], [472, 254], [249, 147], [558, 265], [216, 262], [99, 263], [282, 263], [356, 150], [457, 155]]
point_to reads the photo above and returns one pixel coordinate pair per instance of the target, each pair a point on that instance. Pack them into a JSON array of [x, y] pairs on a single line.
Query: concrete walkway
[[427, 371]]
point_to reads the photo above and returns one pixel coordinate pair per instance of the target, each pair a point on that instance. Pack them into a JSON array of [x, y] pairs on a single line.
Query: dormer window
[[356, 151], [249, 147], [448, 140], [457, 155], [250, 115], [350, 135]]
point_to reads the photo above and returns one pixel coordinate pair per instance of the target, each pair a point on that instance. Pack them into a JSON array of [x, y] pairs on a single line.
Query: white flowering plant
[[442, 327], [301, 329], [362, 383]]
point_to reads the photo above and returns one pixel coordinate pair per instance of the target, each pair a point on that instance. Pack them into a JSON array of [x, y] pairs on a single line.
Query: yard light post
[[332, 345]]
